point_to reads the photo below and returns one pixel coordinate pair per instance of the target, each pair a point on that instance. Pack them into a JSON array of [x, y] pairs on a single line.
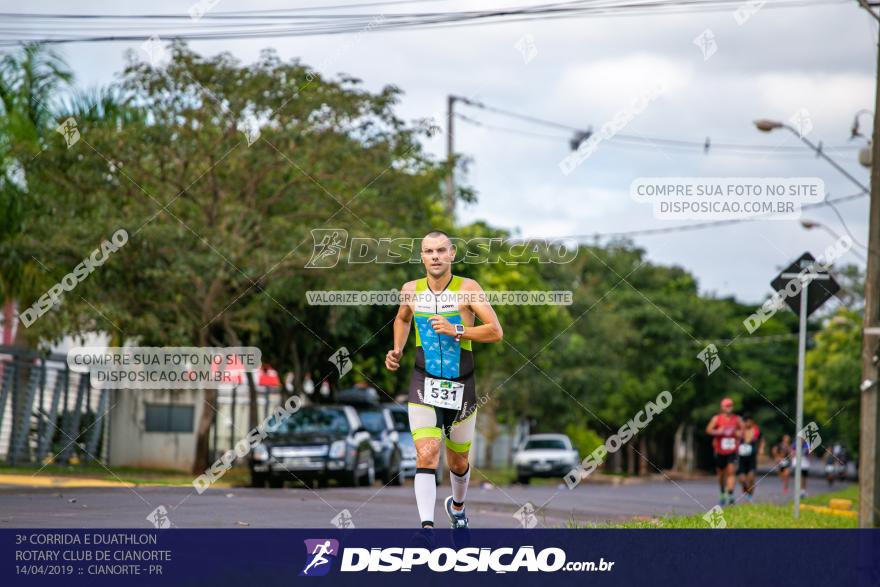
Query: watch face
[[459, 328]]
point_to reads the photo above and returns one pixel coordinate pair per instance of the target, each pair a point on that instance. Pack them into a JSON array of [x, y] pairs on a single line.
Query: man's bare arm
[[402, 324], [710, 428], [490, 329]]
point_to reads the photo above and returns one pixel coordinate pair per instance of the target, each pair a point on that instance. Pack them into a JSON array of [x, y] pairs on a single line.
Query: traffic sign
[[820, 288]]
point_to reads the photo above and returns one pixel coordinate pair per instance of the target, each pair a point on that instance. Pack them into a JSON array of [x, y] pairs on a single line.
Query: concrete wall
[[131, 446]]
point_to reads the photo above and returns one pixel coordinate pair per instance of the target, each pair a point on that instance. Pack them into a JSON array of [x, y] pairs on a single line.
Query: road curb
[[57, 481]]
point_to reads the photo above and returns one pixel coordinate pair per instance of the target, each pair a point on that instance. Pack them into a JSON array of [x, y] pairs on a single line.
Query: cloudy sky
[[582, 72]]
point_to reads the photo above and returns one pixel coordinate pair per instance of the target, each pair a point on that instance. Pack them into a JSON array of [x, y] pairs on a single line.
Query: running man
[[726, 430], [805, 462], [442, 388], [748, 456], [782, 455]]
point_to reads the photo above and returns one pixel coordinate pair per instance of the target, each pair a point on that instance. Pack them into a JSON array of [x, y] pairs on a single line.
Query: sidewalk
[[57, 481]]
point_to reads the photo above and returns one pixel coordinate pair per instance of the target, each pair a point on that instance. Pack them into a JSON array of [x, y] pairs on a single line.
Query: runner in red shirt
[[726, 430]]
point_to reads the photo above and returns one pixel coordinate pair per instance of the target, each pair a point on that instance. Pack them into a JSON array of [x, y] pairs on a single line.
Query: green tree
[[831, 379]]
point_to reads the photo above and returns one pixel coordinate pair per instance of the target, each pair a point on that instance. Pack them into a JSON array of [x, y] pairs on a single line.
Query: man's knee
[[458, 462], [428, 453]]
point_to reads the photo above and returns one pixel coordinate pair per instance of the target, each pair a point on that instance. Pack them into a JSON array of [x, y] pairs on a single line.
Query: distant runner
[[748, 456], [805, 463], [443, 388], [726, 430], [782, 456]]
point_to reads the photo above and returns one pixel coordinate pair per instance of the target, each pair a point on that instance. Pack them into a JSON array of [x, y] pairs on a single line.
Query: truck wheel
[[258, 479]]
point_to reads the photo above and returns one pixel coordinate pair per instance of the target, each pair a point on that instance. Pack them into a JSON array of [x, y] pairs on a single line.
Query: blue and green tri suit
[[439, 356]]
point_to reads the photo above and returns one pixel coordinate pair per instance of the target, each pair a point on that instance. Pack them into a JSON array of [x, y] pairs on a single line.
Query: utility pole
[[869, 451], [450, 155]]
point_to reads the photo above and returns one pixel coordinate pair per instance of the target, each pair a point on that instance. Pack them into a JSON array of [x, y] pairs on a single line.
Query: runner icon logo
[[710, 358], [320, 554]]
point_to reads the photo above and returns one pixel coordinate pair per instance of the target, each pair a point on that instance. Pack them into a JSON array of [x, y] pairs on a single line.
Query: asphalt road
[[367, 507]]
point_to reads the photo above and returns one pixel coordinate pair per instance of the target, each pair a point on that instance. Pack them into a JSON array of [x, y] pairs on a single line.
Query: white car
[[545, 455]]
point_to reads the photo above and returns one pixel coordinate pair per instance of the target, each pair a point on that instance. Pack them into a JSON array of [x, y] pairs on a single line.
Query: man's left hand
[[441, 325]]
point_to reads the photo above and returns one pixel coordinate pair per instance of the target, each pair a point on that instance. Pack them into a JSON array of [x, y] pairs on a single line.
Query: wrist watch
[[459, 332]]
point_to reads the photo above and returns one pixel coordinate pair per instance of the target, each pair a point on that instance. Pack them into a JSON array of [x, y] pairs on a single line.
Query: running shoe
[[458, 520]]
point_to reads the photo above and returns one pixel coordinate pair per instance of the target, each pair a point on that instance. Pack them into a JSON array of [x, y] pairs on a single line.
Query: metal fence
[[48, 413]]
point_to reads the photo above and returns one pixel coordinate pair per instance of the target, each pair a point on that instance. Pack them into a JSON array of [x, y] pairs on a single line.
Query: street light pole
[[450, 155], [799, 408], [768, 125], [869, 442]]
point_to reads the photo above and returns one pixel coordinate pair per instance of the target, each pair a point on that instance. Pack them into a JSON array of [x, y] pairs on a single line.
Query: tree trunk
[[201, 459], [630, 459], [614, 463], [252, 398], [643, 459], [691, 460], [8, 321], [679, 450]]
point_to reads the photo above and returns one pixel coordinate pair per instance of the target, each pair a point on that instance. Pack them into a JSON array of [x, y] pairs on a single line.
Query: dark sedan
[[316, 444]]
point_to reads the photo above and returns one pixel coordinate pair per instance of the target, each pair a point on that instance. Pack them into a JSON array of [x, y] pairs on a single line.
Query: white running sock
[[426, 493], [459, 486]]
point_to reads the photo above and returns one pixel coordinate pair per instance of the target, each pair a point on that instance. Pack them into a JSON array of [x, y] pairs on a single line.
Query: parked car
[[400, 417], [544, 455], [317, 443], [387, 450], [358, 395]]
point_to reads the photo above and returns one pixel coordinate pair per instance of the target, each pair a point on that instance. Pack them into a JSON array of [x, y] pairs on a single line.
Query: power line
[[633, 140], [290, 23], [700, 225]]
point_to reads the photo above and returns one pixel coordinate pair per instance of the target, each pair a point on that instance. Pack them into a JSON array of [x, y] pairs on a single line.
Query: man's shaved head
[[437, 234], [438, 253]]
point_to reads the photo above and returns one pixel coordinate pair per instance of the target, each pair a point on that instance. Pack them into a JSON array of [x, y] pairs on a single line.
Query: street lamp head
[[808, 224], [765, 125]]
